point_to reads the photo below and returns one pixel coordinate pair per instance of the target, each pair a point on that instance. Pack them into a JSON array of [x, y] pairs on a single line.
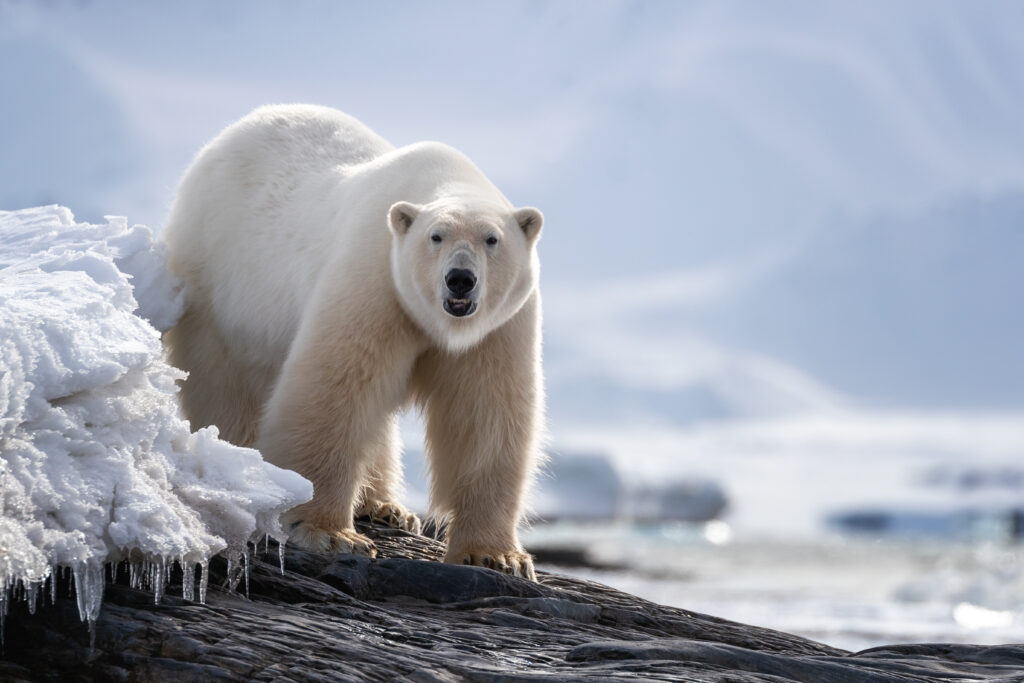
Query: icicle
[[231, 570], [32, 592], [157, 580], [236, 565], [188, 581], [53, 585], [280, 553], [80, 593], [204, 580], [89, 586], [245, 557], [266, 545]]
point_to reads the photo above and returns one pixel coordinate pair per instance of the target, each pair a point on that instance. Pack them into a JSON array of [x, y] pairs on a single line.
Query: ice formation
[[96, 465]]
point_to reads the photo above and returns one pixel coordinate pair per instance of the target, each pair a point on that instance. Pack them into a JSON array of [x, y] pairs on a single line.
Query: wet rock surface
[[406, 616]]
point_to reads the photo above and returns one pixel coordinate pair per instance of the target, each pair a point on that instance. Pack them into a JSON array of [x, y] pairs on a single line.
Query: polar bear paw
[[394, 515], [312, 537], [515, 563]]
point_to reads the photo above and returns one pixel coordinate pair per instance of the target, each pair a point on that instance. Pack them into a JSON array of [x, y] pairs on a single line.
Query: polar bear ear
[[530, 220], [401, 217]]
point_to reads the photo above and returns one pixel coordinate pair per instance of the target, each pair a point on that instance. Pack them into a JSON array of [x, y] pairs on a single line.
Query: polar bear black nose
[[460, 281]]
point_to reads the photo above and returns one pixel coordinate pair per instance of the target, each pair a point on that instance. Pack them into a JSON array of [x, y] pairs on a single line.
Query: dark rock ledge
[[406, 617]]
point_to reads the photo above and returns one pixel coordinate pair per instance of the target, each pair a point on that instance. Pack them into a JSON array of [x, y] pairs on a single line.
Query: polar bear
[[333, 280]]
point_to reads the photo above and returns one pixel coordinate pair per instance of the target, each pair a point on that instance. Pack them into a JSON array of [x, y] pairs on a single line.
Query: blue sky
[[750, 206]]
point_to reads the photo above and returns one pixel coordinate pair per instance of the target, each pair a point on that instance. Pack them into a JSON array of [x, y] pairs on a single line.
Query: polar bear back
[[256, 197]]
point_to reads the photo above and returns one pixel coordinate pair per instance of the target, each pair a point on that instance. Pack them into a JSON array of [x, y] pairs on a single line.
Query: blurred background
[[783, 261]]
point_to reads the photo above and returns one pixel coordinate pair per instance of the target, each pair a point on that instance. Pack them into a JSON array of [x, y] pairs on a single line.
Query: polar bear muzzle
[[461, 286]]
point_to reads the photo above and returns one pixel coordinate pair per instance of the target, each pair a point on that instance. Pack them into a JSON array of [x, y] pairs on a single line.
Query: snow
[[96, 465]]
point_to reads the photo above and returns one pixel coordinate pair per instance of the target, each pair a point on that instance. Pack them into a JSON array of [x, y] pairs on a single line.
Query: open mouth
[[459, 308]]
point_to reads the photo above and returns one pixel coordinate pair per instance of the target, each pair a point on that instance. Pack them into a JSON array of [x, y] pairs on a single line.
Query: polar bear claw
[[345, 541], [390, 513], [514, 563]]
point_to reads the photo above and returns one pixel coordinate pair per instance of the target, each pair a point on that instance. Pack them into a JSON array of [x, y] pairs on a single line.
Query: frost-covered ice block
[[30, 235], [96, 465]]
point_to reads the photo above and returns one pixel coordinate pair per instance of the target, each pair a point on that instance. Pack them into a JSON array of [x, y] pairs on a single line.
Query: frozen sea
[[848, 591]]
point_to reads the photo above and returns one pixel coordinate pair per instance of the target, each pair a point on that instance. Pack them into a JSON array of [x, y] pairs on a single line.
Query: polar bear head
[[463, 267]]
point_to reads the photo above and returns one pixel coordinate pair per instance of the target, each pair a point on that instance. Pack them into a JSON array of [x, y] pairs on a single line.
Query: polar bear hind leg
[[217, 392], [383, 483]]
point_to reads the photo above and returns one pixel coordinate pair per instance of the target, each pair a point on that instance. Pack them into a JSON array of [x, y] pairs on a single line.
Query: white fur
[[314, 314]]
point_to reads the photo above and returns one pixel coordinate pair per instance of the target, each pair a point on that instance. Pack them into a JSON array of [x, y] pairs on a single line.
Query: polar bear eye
[[435, 238], [492, 240]]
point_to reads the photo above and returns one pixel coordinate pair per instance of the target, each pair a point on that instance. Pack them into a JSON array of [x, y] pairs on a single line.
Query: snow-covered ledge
[[96, 464]]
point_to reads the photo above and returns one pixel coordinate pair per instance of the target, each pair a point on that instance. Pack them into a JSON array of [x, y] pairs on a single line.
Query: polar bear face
[[461, 269]]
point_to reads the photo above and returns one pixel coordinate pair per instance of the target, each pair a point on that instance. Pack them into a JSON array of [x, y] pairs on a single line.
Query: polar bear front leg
[[343, 380], [484, 412]]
